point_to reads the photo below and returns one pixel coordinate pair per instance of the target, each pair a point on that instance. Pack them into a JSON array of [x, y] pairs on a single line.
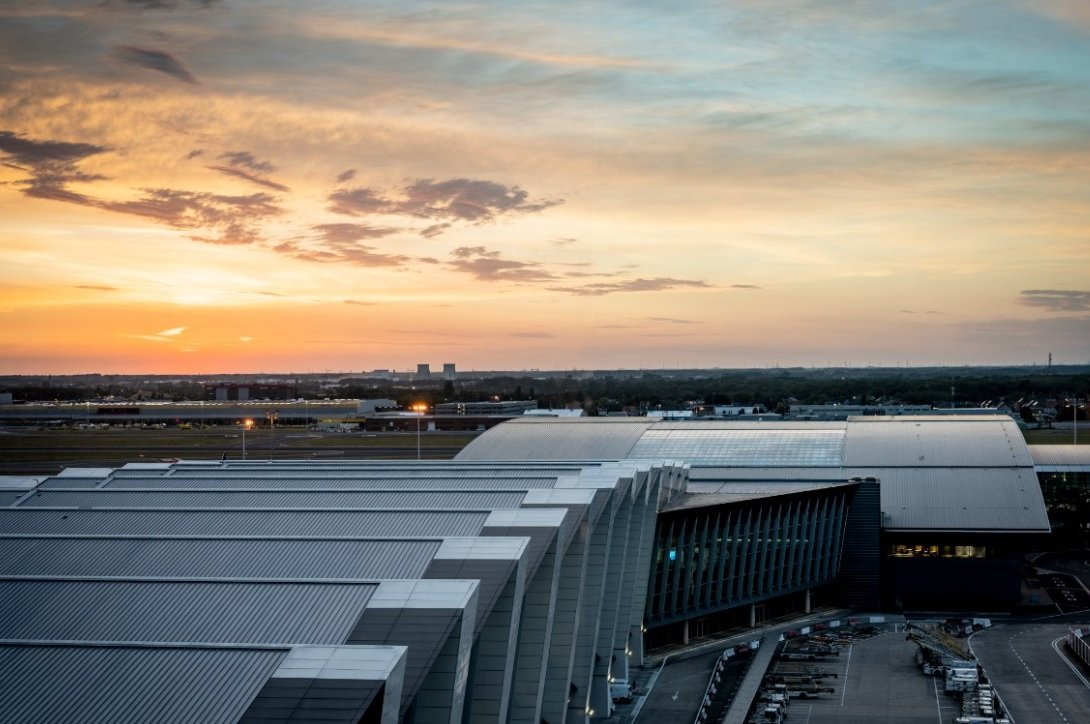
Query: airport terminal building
[[517, 583]]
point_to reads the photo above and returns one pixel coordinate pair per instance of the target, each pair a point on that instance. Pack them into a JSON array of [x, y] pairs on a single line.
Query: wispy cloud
[[359, 303], [670, 320], [745, 286], [346, 176], [52, 165], [489, 266], [243, 165], [341, 253], [230, 219], [347, 233], [655, 284], [155, 60], [1057, 300], [167, 335], [97, 288], [459, 199]]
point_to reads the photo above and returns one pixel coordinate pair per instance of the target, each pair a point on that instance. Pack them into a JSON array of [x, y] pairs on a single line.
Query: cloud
[[238, 173], [434, 230], [564, 241], [168, 4], [245, 339], [745, 286], [467, 200], [167, 335], [346, 253], [1057, 300], [459, 199], [487, 266], [243, 165], [245, 159], [52, 165], [670, 320], [194, 154], [533, 335], [231, 217], [343, 233], [346, 176], [154, 60], [656, 284], [359, 202], [359, 303], [97, 288]]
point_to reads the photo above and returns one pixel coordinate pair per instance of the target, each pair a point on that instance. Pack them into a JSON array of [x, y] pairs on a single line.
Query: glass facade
[[1067, 497], [714, 558]]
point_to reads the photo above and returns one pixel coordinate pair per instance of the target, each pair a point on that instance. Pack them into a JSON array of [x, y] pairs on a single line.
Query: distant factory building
[[423, 370], [449, 372], [224, 392]]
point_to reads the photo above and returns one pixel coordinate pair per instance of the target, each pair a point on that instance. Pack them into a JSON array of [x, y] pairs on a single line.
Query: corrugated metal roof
[[557, 439], [90, 684], [59, 482], [215, 558], [191, 611], [944, 442], [360, 524], [409, 500], [741, 446], [10, 497], [961, 499], [390, 482], [1065, 455]]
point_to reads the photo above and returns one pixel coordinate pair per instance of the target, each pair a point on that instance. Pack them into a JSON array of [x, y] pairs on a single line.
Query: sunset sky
[[239, 186]]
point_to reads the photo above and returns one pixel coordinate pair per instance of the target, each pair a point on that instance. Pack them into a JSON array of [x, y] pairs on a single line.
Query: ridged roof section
[[743, 446], [314, 523], [313, 499], [1062, 455], [191, 611], [936, 442], [215, 557], [981, 499], [345, 482], [115, 683], [558, 439]]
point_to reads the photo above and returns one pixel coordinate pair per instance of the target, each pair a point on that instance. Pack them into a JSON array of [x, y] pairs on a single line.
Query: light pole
[[420, 408], [246, 425], [271, 416], [306, 412]]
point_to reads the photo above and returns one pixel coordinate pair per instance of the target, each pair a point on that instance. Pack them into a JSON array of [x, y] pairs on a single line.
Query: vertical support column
[[808, 606], [566, 629], [752, 615], [645, 516]]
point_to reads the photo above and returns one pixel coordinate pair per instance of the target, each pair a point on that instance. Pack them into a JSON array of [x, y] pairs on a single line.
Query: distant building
[[423, 370], [449, 372], [554, 412], [6, 398], [510, 407], [370, 407], [223, 392]]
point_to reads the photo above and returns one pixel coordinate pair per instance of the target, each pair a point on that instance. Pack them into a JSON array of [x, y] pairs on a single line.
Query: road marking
[[847, 664], [938, 704], [809, 712], [1032, 675], [1075, 671]]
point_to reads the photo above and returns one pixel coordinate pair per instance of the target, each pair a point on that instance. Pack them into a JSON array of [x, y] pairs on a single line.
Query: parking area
[[874, 679]]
